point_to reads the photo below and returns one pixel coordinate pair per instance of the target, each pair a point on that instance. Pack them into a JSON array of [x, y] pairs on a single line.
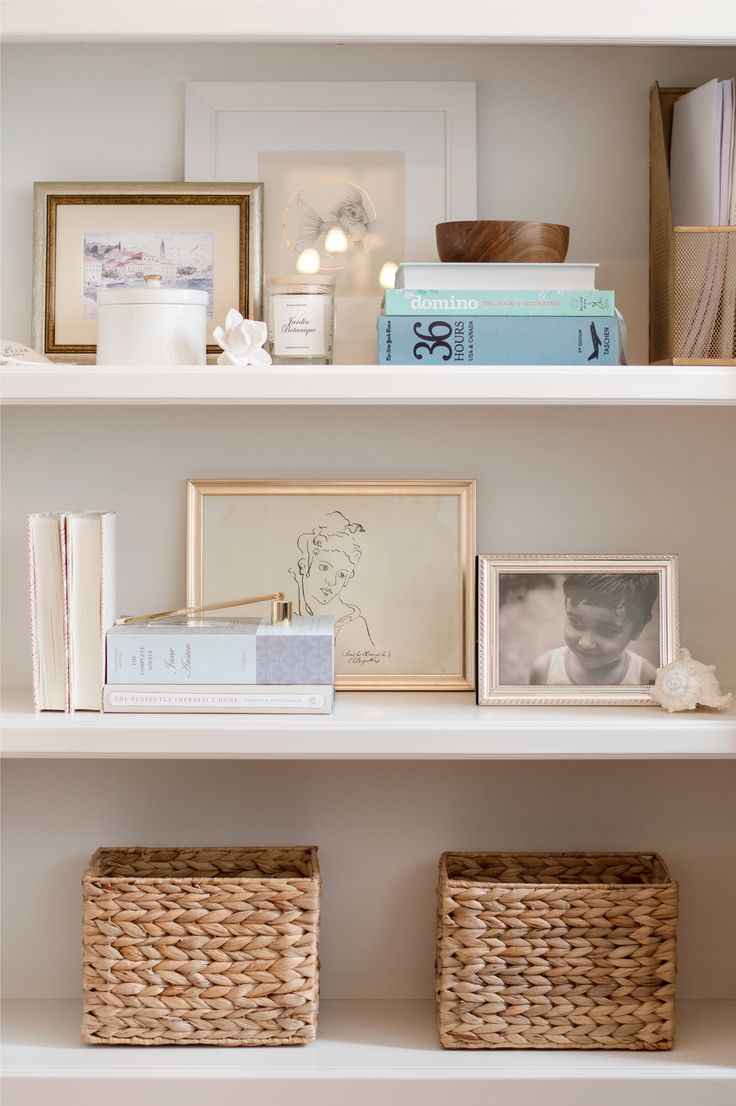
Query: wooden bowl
[[496, 240]]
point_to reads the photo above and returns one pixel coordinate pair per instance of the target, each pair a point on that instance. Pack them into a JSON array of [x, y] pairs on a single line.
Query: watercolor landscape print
[[182, 258]]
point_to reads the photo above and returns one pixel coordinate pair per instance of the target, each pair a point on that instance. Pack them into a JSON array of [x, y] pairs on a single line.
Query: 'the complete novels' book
[[195, 650], [501, 340], [219, 699]]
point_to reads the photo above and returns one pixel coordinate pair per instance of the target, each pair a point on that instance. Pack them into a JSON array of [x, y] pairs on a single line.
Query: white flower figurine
[[241, 341]]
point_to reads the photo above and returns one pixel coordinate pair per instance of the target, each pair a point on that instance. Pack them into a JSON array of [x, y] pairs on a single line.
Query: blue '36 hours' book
[[497, 340]]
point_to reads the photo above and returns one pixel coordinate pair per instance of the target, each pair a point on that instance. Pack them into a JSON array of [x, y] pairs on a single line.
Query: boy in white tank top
[[604, 611]]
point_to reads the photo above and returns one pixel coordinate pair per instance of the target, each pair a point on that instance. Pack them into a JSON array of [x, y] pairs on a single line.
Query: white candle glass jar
[[301, 319]]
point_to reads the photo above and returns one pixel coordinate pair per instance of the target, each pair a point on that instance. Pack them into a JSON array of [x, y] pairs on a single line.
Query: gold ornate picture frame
[[392, 560], [100, 234], [564, 629]]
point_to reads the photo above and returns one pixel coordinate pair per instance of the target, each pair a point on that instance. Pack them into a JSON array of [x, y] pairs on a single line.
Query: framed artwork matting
[[93, 235], [356, 173], [392, 561]]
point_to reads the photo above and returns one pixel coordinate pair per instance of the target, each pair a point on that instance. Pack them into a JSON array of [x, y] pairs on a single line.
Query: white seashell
[[241, 341], [685, 683]]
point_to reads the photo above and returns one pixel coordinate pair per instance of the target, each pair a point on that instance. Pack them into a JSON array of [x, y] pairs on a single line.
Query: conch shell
[[684, 684]]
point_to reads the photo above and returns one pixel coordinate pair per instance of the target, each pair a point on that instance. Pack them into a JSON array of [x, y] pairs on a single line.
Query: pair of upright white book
[[71, 558]]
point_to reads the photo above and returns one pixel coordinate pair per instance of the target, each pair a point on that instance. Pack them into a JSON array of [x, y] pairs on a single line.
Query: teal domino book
[[497, 340], [538, 303]]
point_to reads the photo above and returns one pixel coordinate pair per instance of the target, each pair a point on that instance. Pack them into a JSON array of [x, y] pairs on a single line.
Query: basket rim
[[445, 877], [310, 851]]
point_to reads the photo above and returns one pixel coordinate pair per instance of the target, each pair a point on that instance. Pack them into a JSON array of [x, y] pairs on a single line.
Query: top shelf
[[60, 384], [597, 22]]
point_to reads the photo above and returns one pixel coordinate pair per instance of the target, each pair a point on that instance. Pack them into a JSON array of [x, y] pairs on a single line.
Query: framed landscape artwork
[[356, 176], [391, 560], [574, 629], [101, 235]]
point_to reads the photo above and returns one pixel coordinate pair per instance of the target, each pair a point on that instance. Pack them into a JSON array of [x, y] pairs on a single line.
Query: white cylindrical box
[[150, 325]]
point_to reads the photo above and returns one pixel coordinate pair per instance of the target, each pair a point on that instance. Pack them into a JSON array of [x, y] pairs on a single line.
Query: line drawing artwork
[[328, 557], [349, 209]]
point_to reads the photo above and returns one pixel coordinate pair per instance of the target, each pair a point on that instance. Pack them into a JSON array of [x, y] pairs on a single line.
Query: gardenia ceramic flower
[[241, 341], [685, 683]]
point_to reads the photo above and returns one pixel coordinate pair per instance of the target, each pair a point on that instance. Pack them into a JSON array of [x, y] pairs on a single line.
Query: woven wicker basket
[[211, 946], [558, 950]]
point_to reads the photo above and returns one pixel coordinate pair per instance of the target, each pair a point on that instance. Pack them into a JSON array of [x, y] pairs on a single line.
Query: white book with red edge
[[71, 559], [47, 596]]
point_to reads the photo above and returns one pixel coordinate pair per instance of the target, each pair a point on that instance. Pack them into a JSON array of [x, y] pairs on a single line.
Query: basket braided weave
[[556, 950], [213, 946]]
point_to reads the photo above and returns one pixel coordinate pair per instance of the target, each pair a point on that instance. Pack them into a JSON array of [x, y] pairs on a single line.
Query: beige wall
[[562, 132]]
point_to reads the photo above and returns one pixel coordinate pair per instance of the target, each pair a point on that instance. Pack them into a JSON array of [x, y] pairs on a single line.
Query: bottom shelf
[[366, 1053]]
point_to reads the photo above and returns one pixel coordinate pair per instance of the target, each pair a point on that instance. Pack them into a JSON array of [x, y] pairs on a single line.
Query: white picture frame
[[232, 127], [555, 629]]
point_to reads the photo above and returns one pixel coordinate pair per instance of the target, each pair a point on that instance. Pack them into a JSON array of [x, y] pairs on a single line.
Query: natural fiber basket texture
[[212, 946], [556, 950]]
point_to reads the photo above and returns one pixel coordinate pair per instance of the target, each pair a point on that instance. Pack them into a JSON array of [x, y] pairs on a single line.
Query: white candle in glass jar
[[301, 318]]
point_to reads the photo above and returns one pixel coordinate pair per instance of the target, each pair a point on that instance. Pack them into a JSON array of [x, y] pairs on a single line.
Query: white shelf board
[[369, 384], [366, 1052], [367, 21], [374, 726]]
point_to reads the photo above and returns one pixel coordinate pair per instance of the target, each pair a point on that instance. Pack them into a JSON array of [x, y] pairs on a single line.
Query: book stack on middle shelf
[[221, 665], [466, 313]]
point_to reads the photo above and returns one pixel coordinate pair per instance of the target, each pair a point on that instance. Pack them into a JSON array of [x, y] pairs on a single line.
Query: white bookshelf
[[370, 384], [622, 460], [374, 726], [370, 1053], [367, 21]]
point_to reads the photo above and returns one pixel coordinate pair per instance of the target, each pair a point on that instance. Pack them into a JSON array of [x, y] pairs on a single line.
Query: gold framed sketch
[[574, 629], [392, 560], [91, 235]]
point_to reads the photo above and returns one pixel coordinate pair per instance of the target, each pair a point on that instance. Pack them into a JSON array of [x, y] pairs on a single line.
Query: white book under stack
[[71, 557]]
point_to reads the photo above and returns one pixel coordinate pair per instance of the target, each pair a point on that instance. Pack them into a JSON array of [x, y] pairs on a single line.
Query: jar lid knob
[[152, 278]]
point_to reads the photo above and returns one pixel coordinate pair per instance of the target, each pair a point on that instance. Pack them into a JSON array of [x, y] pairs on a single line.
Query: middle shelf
[[374, 726], [58, 384]]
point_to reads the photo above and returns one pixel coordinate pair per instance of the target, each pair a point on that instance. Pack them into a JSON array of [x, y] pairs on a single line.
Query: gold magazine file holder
[[692, 270]]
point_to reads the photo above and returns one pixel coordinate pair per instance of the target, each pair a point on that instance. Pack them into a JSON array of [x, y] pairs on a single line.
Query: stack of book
[[71, 560], [445, 313], [198, 665]]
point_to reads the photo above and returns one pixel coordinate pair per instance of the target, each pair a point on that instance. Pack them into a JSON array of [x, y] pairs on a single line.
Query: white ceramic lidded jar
[[151, 325]]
